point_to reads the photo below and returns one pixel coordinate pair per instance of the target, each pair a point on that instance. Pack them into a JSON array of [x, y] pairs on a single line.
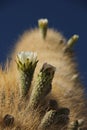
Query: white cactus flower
[[42, 22], [24, 56], [26, 64], [43, 25]]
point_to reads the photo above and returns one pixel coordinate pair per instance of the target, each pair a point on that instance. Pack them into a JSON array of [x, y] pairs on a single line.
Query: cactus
[[44, 96], [43, 24], [26, 63], [43, 86], [72, 40]]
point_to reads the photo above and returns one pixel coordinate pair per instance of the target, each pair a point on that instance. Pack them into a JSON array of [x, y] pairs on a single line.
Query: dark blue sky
[[67, 16]]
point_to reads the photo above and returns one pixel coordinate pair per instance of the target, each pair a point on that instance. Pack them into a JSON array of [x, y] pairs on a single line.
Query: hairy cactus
[[26, 63], [43, 86], [42, 89]]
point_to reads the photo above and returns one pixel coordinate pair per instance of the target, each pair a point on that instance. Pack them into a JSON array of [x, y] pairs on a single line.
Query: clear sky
[[67, 16]]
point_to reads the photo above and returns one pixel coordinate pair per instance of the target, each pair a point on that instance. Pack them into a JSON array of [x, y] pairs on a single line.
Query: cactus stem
[[72, 41], [26, 63], [43, 85], [43, 24]]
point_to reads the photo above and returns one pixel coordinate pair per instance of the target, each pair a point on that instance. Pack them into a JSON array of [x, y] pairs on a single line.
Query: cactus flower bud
[[26, 63], [72, 40], [43, 24]]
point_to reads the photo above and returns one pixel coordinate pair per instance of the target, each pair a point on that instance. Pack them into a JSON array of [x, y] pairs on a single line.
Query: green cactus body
[[72, 41], [43, 85], [26, 70], [43, 25], [26, 79], [49, 119]]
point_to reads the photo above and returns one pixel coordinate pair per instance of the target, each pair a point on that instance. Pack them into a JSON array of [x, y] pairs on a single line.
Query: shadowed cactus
[[52, 118], [47, 95]]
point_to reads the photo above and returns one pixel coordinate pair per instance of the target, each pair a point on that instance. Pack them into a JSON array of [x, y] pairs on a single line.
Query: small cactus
[[49, 119], [43, 85], [72, 41], [53, 118], [43, 24], [26, 63]]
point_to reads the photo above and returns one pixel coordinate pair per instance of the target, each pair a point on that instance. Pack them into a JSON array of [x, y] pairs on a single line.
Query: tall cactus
[[52, 96]]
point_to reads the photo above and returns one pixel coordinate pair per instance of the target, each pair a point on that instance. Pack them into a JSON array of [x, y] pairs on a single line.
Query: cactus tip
[[43, 24], [72, 40]]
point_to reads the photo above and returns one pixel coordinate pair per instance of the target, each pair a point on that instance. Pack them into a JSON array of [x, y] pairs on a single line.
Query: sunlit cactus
[[44, 96], [43, 25], [72, 40]]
